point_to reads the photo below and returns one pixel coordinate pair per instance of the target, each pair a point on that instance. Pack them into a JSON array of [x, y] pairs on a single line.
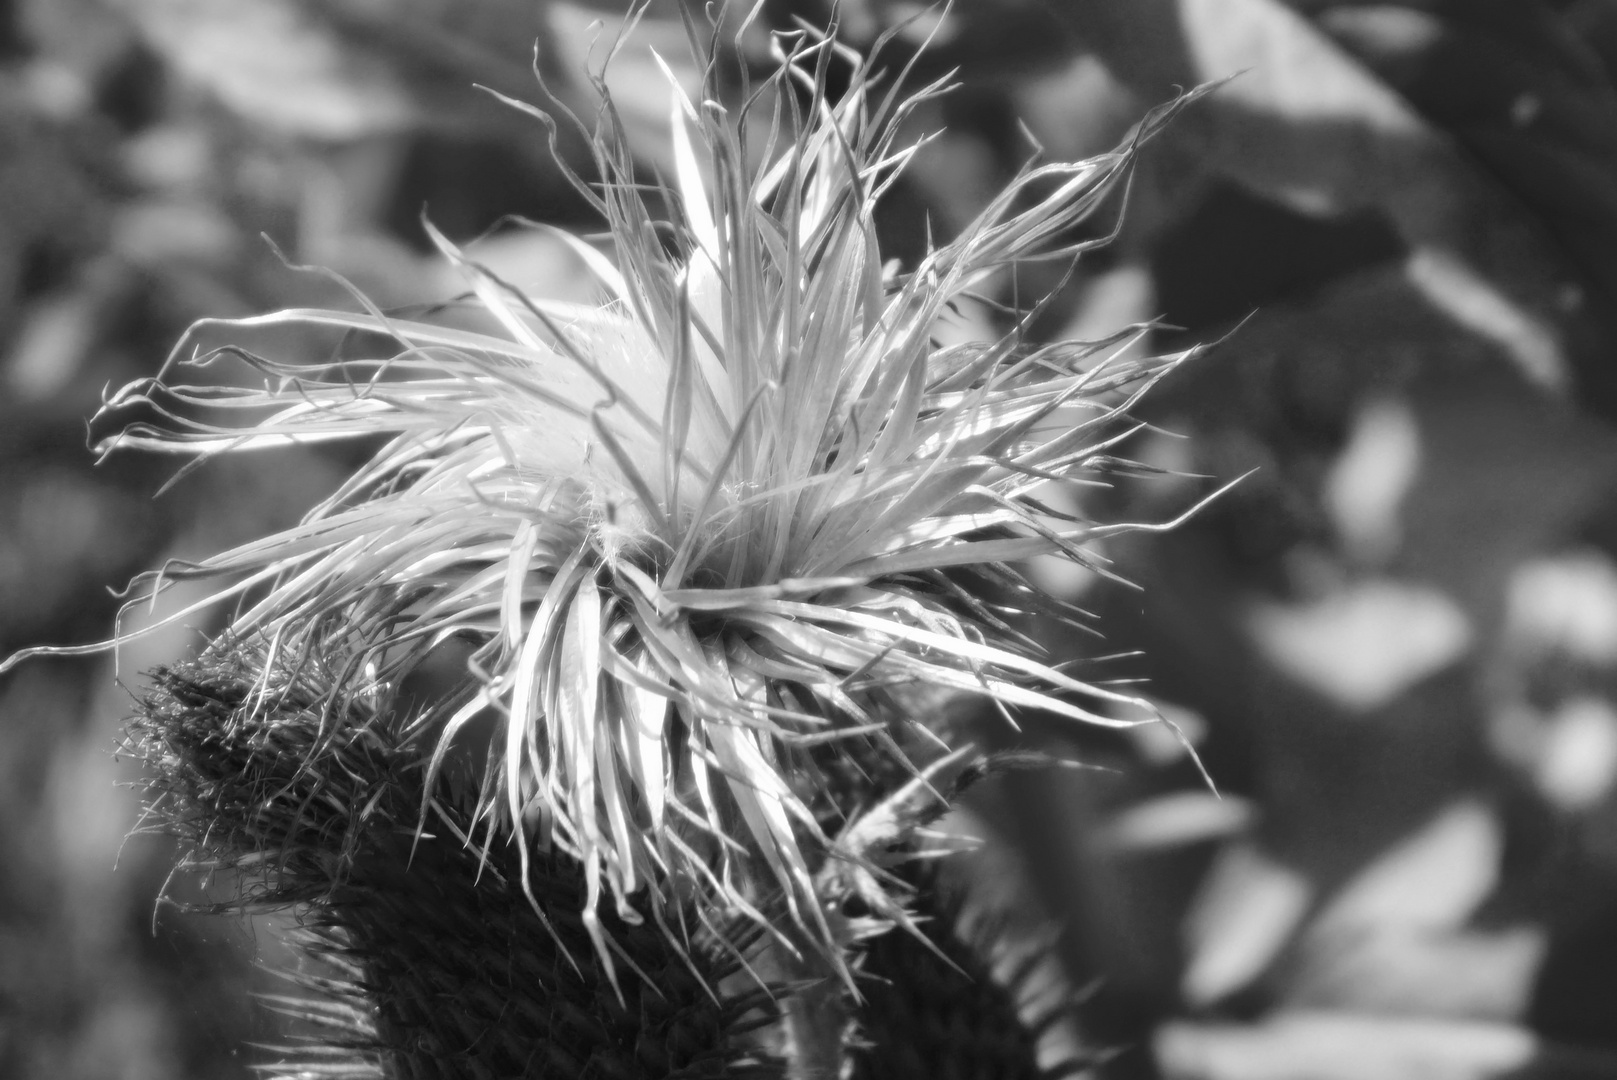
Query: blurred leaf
[[54, 337], [1434, 878], [1367, 484], [1175, 820], [1498, 472], [1578, 763], [1246, 911], [1308, 125], [1503, 478], [1391, 968], [1519, 91], [1347, 1046], [1076, 111], [1363, 645], [1564, 604], [342, 70], [278, 64]]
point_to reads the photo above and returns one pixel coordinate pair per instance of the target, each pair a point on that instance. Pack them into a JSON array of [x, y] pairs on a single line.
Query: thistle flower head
[[703, 529]]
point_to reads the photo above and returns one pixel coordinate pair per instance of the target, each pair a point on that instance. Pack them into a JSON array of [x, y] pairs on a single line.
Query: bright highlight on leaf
[[706, 531]]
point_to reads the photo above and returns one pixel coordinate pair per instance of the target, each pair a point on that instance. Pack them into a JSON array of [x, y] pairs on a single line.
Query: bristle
[[467, 981]]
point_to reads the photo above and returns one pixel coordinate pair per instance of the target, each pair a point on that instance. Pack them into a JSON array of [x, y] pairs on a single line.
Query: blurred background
[[1394, 645]]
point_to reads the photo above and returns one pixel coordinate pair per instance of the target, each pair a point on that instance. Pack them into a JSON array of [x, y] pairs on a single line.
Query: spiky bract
[[431, 963], [704, 530], [972, 996]]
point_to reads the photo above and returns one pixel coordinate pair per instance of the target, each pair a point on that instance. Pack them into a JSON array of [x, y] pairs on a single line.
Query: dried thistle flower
[[696, 537]]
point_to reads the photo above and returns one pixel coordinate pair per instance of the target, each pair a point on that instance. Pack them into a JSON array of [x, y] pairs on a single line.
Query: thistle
[[697, 549]]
